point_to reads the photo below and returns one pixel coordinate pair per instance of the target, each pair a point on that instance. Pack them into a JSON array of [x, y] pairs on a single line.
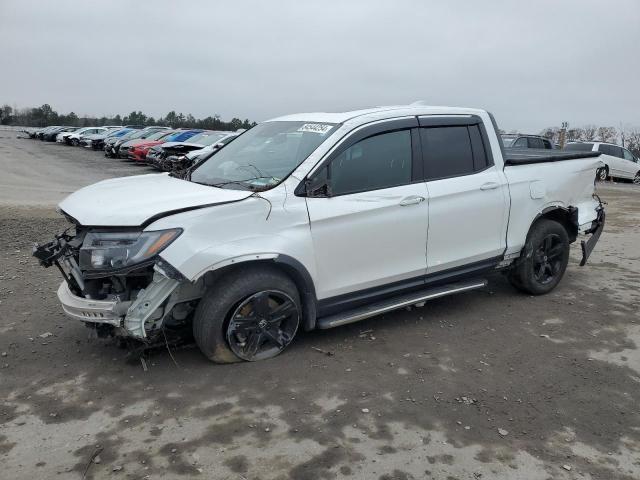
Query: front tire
[[545, 258], [636, 179], [250, 314]]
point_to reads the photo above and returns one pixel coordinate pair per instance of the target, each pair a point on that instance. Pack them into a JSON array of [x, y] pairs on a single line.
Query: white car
[[619, 162], [75, 137], [316, 220]]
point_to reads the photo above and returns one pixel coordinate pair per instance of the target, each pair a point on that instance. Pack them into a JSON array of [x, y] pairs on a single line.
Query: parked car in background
[[51, 135], [39, 133], [122, 145], [138, 151], [75, 138], [527, 141], [619, 162], [181, 161], [157, 154], [63, 137], [116, 135], [317, 220], [96, 140]]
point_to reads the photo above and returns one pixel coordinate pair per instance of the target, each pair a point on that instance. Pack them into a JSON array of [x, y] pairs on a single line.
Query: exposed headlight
[[111, 251]]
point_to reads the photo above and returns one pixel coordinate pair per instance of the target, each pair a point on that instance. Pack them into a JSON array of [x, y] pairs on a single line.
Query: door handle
[[489, 186], [413, 200]]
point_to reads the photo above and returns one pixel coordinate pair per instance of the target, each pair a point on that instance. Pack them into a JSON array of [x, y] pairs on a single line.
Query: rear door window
[[447, 152], [521, 143], [535, 143], [612, 150]]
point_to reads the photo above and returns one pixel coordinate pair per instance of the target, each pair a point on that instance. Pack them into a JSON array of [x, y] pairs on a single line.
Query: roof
[[595, 142], [341, 117]]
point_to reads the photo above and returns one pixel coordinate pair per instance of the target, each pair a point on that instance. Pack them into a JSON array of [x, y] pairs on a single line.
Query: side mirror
[[318, 186]]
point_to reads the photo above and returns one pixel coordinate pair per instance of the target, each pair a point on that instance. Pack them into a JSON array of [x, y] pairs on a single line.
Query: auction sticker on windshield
[[320, 128]]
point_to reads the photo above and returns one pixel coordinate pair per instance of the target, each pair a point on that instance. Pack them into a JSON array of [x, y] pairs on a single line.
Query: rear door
[[468, 194], [370, 229]]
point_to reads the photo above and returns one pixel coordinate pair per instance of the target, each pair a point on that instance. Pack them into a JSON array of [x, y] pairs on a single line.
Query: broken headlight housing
[[117, 250]]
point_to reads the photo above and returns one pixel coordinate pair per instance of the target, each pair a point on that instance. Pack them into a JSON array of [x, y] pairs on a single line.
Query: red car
[[138, 152]]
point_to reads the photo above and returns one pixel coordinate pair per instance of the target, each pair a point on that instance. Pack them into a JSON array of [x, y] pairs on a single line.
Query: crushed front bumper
[[110, 312], [130, 317]]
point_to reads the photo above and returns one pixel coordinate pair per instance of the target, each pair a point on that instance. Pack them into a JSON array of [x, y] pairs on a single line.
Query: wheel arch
[[291, 267], [565, 216]]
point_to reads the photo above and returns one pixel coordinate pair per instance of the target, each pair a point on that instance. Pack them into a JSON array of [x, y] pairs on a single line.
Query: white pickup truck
[[316, 220]]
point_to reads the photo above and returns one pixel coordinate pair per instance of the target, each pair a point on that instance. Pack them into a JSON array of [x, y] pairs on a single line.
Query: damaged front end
[[115, 281]]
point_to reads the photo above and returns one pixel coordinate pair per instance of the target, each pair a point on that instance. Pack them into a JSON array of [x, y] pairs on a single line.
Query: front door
[[371, 229]]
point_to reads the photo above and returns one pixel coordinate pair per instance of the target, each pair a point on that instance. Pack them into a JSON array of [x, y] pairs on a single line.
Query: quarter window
[[447, 152], [627, 155], [377, 162]]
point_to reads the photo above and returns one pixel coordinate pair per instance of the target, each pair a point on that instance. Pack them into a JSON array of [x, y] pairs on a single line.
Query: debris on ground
[[326, 352], [46, 335], [503, 432]]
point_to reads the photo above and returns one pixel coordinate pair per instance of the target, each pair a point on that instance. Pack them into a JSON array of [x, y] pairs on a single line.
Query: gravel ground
[[491, 384]]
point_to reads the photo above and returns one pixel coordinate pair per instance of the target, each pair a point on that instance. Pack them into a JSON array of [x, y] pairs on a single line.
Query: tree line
[[44, 115]]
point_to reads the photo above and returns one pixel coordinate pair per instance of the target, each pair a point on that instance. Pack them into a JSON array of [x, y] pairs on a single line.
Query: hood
[[93, 136], [142, 143], [132, 201], [196, 153], [180, 144], [180, 147]]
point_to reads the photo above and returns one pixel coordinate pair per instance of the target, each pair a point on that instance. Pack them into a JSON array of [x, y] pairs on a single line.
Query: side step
[[394, 303]]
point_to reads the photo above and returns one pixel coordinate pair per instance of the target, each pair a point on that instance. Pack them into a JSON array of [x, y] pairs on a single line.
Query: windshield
[[120, 132], [263, 156], [207, 138], [158, 135]]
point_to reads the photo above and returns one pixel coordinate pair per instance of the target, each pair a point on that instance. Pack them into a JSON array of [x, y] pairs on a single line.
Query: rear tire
[[545, 258], [603, 174], [250, 314]]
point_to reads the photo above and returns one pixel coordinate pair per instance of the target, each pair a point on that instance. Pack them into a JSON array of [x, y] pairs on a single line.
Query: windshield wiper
[[244, 183]]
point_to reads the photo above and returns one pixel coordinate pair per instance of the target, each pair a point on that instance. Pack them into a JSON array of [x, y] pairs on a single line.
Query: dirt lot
[[490, 384]]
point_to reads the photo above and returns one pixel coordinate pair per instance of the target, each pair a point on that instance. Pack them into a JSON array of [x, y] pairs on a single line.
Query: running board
[[394, 303]]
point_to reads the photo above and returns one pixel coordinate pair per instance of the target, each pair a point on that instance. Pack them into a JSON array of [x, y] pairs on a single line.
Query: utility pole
[[563, 134]]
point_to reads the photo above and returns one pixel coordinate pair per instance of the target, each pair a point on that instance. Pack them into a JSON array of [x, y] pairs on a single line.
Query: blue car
[[183, 135]]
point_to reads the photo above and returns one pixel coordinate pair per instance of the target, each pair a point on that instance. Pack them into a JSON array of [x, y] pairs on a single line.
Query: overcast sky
[[532, 63]]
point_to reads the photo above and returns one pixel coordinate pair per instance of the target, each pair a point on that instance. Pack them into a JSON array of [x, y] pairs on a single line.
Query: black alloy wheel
[[603, 174], [547, 259], [262, 325]]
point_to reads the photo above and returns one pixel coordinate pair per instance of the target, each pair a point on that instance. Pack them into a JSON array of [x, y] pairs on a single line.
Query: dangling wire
[[257, 195]]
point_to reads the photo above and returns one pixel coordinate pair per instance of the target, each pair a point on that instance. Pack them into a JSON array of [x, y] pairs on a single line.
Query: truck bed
[[527, 156]]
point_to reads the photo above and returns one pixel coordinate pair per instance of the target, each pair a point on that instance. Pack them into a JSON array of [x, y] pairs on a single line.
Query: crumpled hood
[[181, 144], [132, 201]]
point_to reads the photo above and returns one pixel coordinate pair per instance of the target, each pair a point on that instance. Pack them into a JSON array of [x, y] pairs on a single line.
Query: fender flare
[[289, 265]]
